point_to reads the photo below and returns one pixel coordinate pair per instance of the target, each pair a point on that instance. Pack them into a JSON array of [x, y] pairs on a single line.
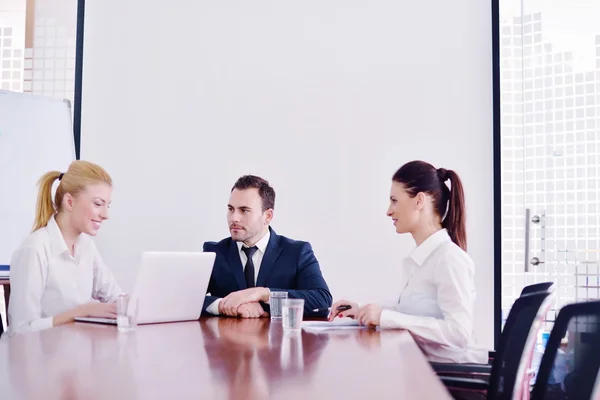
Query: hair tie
[[60, 176], [442, 174]]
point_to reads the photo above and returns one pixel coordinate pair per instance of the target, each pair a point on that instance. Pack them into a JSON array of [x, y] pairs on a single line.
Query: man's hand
[[230, 304], [251, 310]]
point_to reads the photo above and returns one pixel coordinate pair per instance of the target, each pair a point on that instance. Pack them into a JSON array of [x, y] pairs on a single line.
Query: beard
[[243, 234]]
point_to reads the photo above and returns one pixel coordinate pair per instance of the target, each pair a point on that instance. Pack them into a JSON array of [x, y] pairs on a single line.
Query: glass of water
[[275, 304], [127, 311], [292, 311]]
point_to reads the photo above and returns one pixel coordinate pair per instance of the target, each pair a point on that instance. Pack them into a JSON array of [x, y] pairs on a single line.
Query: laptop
[[170, 286]]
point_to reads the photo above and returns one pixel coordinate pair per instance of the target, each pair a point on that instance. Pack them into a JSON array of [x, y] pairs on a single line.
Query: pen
[[340, 308]]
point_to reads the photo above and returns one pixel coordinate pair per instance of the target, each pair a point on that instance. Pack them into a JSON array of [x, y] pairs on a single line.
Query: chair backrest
[[572, 371], [517, 342], [539, 287], [542, 287]]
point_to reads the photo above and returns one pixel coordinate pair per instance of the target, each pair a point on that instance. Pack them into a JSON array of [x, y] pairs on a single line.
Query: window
[[558, 90]]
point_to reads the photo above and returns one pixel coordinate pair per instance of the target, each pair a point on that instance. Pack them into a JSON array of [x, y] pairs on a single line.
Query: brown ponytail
[[79, 175], [455, 221], [449, 203]]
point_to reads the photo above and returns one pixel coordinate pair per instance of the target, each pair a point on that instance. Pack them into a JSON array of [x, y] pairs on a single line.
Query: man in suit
[[255, 260]]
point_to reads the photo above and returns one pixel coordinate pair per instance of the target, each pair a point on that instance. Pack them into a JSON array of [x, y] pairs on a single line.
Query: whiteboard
[[36, 136]]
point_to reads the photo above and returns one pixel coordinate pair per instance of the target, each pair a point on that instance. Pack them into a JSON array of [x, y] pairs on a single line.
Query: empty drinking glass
[[275, 304], [292, 311], [127, 311]]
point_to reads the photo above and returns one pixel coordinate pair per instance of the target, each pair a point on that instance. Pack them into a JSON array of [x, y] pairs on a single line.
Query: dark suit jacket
[[287, 264]]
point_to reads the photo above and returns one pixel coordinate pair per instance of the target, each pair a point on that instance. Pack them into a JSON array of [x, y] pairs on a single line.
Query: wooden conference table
[[215, 358]]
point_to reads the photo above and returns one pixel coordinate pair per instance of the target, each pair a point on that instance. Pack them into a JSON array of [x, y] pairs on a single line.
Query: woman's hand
[[96, 310], [99, 310], [351, 312], [370, 315]]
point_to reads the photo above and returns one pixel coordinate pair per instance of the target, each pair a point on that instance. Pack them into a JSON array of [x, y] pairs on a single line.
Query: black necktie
[[249, 269]]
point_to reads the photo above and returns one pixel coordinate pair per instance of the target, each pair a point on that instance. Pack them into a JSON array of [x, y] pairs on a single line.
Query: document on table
[[338, 323]]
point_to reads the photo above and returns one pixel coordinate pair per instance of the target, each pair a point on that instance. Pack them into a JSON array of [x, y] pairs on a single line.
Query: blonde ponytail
[[45, 208], [79, 175]]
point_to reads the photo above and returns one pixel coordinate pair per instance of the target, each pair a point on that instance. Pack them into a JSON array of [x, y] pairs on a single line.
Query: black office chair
[[484, 370], [510, 373], [539, 288], [1, 325], [571, 374]]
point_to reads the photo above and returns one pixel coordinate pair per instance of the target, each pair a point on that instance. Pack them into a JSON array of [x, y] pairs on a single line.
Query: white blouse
[[436, 302], [46, 280]]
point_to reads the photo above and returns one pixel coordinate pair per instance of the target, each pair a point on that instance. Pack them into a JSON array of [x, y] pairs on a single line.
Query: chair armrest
[[457, 383], [460, 369]]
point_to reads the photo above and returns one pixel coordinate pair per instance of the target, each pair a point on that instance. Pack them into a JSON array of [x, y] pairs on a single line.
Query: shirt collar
[[261, 244], [57, 240], [422, 252]]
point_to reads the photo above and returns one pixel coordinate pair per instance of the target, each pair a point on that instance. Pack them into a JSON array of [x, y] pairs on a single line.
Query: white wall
[[324, 99]]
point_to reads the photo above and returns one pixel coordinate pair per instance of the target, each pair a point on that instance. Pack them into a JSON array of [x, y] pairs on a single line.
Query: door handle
[[535, 261], [527, 216], [529, 219]]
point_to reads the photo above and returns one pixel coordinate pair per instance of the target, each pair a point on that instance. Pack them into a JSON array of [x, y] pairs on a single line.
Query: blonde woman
[[57, 271]]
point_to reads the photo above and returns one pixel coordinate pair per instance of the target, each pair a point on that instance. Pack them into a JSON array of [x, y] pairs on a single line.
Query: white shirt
[[257, 258], [436, 303], [46, 280]]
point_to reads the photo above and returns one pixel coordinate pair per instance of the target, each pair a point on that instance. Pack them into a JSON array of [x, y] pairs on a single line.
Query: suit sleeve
[[209, 300], [310, 284]]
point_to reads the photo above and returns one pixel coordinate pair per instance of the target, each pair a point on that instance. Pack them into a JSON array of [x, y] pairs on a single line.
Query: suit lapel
[[271, 254], [235, 263]]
